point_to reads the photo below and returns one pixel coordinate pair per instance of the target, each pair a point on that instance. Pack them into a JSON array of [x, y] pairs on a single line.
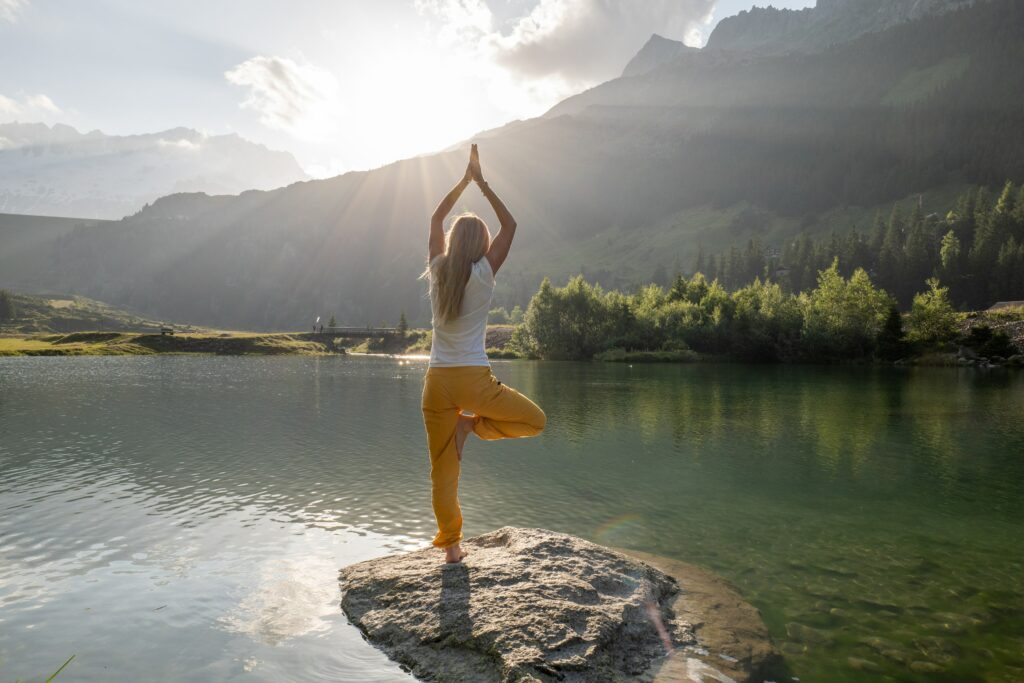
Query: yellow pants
[[504, 414]]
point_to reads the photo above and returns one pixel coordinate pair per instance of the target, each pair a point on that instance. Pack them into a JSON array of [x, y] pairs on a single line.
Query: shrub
[[987, 342], [933, 319], [843, 318]]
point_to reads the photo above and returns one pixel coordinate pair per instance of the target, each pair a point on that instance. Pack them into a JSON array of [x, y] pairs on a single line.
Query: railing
[[359, 331]]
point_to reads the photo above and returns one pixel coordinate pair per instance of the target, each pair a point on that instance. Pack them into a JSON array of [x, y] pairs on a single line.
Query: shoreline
[[414, 347]]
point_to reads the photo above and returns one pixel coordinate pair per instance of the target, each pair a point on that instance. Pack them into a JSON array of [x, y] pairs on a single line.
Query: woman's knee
[[539, 420]]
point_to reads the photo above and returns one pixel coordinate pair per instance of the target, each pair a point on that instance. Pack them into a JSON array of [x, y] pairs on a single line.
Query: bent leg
[[504, 412], [439, 418]]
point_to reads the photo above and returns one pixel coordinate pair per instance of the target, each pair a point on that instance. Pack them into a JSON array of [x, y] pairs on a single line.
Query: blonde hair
[[465, 244]]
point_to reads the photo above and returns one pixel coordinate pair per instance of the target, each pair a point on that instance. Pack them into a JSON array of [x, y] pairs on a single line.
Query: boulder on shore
[[536, 605]]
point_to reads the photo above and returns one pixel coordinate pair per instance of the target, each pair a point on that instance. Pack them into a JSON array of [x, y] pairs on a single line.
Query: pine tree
[[949, 255], [891, 342], [403, 324], [332, 322]]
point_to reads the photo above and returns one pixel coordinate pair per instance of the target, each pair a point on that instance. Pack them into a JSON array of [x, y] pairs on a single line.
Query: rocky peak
[[767, 30], [656, 52]]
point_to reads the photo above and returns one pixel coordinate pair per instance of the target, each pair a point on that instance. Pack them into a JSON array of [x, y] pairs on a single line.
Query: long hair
[[465, 244]]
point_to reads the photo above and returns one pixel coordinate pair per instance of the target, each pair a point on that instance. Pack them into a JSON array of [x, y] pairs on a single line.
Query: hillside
[[69, 313], [58, 171], [27, 249], [707, 150]]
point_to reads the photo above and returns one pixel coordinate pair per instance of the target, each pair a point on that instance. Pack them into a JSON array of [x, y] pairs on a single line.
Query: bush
[[498, 316], [505, 354], [572, 322], [933, 319], [843, 318], [986, 342]]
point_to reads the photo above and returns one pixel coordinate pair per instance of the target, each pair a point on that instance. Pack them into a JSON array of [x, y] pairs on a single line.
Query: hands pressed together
[[473, 170]]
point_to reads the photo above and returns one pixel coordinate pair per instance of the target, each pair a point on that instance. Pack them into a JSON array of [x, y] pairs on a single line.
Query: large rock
[[535, 605]]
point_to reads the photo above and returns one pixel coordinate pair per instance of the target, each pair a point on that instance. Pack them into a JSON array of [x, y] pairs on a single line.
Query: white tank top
[[460, 342]]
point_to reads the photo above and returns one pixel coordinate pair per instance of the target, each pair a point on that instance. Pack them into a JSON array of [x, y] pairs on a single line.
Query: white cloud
[[574, 39], [462, 21], [10, 9], [560, 46], [300, 99], [26, 108], [183, 144]]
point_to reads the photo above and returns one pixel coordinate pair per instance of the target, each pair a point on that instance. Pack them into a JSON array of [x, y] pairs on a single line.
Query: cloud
[[24, 107], [298, 98], [10, 9], [580, 42], [182, 143], [462, 21]]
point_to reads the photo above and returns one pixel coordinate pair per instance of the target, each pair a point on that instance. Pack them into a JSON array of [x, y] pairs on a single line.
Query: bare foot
[[462, 429], [454, 553]]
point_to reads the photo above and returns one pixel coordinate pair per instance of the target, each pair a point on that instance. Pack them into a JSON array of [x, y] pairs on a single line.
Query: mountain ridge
[[768, 30], [702, 151], [60, 171]]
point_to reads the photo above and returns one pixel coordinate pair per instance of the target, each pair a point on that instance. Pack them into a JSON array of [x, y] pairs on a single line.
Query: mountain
[[767, 30], [657, 52], [620, 182], [58, 171]]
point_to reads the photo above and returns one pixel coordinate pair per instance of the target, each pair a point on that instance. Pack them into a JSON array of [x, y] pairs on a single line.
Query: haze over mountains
[[58, 171], [696, 147]]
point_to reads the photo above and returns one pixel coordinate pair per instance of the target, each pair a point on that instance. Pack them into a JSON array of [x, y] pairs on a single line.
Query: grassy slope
[[70, 313]]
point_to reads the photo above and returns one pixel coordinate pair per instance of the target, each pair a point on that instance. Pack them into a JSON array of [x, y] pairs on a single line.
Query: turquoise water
[[174, 518]]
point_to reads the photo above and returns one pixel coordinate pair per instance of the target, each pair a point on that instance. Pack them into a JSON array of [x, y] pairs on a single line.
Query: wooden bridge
[[360, 331]]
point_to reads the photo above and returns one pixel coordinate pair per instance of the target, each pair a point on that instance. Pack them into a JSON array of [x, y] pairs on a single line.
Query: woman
[[460, 395]]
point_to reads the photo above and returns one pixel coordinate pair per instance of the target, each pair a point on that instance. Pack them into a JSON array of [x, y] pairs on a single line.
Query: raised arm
[[501, 244], [435, 243]]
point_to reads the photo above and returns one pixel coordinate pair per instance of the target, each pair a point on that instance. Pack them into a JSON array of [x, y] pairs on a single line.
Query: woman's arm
[[501, 244], [435, 243]]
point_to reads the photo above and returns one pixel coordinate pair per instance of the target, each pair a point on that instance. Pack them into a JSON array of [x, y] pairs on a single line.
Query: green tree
[[332, 322], [403, 324], [932, 317], [497, 316], [842, 318], [516, 316], [949, 252], [892, 343], [766, 322]]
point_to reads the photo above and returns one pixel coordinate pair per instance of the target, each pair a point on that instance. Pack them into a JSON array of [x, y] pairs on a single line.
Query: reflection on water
[[206, 504]]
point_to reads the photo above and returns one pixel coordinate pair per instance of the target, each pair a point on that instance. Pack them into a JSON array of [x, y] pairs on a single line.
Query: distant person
[[461, 272]]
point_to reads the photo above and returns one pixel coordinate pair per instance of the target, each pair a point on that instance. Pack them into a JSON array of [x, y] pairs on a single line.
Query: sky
[[341, 84]]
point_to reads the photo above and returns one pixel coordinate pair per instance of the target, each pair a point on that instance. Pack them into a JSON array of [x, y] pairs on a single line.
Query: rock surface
[[535, 605]]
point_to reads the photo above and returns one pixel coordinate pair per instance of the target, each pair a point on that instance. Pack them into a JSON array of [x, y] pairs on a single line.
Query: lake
[[175, 518]]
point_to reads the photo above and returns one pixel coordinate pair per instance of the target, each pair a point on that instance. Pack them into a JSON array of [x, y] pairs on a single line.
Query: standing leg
[[504, 412], [440, 416]]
